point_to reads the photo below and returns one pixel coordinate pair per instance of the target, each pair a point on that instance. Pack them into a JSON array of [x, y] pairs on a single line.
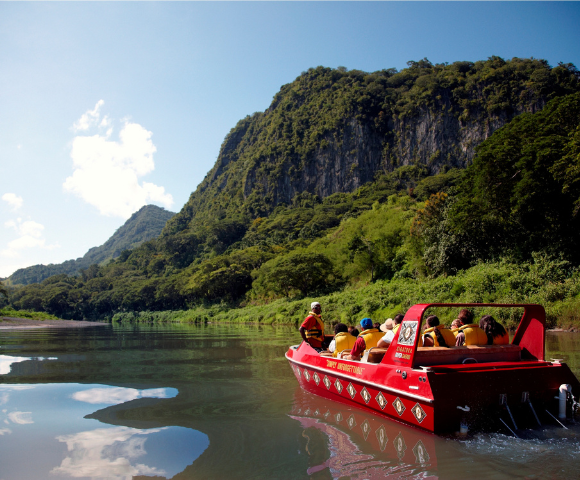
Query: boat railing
[[529, 336]]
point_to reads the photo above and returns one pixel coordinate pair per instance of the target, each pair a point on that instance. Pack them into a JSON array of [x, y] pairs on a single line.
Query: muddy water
[[221, 402]]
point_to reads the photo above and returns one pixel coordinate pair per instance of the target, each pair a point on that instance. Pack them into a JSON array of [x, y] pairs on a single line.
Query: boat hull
[[428, 398]]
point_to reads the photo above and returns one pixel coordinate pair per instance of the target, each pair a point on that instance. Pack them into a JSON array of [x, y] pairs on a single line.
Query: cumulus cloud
[[21, 418], [106, 453], [6, 362], [13, 200], [106, 172], [89, 118], [116, 395], [30, 235]]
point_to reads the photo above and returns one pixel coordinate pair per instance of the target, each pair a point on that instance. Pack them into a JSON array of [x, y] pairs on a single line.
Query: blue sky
[[105, 107]]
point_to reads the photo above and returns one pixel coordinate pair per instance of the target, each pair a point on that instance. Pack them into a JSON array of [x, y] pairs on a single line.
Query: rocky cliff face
[[332, 131]]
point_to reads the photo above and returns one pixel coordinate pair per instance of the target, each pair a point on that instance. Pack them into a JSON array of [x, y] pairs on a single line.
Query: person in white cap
[[312, 328]]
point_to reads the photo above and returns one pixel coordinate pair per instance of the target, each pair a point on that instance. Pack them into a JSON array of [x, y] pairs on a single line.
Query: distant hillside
[[143, 225], [352, 177]]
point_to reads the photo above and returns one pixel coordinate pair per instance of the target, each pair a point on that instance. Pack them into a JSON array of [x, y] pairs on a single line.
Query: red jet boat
[[445, 389]]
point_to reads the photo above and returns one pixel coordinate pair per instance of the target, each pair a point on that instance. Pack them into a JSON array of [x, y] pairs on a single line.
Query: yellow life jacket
[[447, 336], [371, 337], [502, 339], [317, 333], [473, 334], [343, 341]]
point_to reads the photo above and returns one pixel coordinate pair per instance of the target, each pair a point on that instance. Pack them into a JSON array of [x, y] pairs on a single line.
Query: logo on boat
[[316, 378], [326, 382], [366, 395], [408, 333], [399, 406], [351, 390], [381, 400], [419, 413], [338, 385]]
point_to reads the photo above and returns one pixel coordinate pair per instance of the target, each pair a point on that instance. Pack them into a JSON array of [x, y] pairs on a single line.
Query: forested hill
[[352, 177], [333, 130], [143, 225]]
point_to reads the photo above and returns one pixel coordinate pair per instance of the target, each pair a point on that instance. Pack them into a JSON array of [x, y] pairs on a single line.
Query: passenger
[[436, 335], [368, 338], [386, 327], [312, 329], [377, 325], [467, 333], [342, 340], [398, 320], [496, 334], [353, 331]]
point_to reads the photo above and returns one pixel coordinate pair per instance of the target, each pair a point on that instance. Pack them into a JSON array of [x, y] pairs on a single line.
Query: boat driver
[[312, 328], [368, 338]]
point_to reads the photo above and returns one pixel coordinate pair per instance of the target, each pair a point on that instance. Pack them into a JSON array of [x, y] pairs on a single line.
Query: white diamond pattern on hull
[[307, 375], [338, 385], [419, 413], [327, 382], [316, 378], [381, 400], [351, 390], [399, 406], [366, 396]]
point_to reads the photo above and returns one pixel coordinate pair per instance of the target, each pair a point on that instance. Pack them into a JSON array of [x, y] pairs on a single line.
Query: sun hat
[[313, 305], [388, 325]]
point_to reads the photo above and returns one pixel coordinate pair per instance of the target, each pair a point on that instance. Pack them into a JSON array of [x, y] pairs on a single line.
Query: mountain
[[143, 225], [352, 177], [333, 130]]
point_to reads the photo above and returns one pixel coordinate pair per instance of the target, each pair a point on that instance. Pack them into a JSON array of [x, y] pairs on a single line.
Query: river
[[221, 402]]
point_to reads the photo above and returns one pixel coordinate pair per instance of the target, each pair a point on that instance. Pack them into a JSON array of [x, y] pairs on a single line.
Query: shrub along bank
[[550, 282]]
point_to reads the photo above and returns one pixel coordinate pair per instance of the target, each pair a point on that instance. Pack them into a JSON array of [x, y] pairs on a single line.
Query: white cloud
[[89, 118], [5, 431], [6, 362], [116, 395], [106, 453], [21, 418], [106, 172], [30, 236], [13, 200]]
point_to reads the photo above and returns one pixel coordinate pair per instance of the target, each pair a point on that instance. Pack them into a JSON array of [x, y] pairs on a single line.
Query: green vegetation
[[10, 312], [254, 243], [143, 225]]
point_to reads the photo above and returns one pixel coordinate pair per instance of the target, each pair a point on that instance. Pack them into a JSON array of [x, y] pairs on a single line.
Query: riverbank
[[13, 323]]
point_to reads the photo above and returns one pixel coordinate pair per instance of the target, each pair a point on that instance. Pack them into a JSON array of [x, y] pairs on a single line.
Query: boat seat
[[376, 354], [326, 354], [480, 353]]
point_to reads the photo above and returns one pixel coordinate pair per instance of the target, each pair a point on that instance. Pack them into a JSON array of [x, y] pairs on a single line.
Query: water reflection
[[359, 444], [52, 421]]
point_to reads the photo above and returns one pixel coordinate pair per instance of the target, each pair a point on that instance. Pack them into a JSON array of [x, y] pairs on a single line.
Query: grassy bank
[[551, 283], [9, 312]]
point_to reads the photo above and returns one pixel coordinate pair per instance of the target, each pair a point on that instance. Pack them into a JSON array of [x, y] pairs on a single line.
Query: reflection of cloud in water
[[6, 362], [21, 418], [116, 395], [106, 453]]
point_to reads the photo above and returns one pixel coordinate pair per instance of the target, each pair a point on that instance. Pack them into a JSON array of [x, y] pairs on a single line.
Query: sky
[[106, 107]]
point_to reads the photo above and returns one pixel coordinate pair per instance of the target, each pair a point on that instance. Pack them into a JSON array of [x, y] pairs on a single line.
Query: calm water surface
[[221, 402]]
